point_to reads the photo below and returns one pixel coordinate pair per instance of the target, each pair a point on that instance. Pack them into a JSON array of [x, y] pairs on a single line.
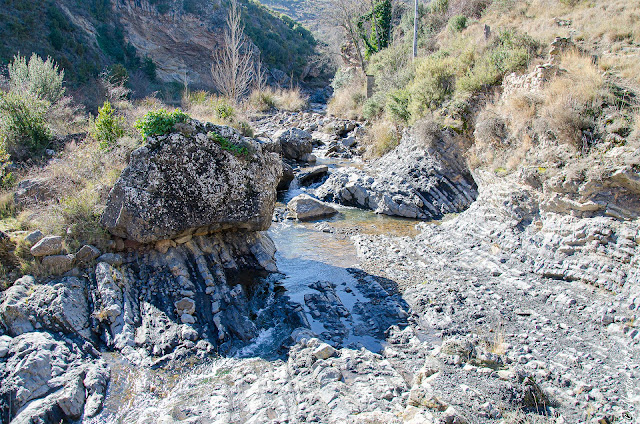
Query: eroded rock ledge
[[412, 181]]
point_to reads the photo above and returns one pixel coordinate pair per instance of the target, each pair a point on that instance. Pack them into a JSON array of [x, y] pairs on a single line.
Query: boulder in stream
[[305, 208]]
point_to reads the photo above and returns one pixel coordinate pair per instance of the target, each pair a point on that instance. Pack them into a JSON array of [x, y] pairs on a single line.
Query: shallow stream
[[319, 278]]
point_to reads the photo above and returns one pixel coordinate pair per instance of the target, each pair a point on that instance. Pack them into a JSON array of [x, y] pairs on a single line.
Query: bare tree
[[345, 13], [233, 65]]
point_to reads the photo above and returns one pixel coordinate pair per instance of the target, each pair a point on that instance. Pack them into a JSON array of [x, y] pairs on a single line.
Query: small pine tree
[[108, 127]]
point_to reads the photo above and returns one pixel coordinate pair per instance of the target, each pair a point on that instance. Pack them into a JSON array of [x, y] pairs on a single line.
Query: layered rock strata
[[411, 181], [190, 210]]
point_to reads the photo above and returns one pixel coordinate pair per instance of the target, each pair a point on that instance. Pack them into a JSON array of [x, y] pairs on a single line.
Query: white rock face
[[49, 378], [55, 306]]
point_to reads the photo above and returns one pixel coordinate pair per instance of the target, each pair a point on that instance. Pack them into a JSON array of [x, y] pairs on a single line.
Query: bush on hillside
[[108, 127], [457, 23], [509, 52], [433, 84], [159, 122], [374, 106], [397, 106], [40, 78], [23, 125]]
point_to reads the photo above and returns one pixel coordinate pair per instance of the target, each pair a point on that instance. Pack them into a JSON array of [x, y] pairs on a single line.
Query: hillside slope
[[171, 39]]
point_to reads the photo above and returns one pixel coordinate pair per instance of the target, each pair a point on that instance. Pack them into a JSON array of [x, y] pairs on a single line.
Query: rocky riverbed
[[502, 310]]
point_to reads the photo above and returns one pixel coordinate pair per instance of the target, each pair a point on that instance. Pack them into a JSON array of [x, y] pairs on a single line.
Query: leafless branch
[[233, 67]]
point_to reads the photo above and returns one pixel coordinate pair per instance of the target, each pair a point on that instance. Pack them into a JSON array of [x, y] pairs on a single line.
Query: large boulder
[[50, 245], [305, 207], [294, 143], [415, 180], [177, 184], [33, 191]]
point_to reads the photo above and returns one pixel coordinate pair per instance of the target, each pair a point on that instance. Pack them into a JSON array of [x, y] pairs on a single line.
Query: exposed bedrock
[[192, 210], [413, 181]]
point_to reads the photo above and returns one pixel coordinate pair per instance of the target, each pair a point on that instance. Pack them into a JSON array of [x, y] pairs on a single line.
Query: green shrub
[[23, 126], [457, 23], [7, 179], [159, 122], [509, 52], [40, 78], [433, 84], [223, 109], [108, 127], [149, 68], [374, 106], [439, 6], [118, 74], [228, 145], [342, 78], [397, 106]]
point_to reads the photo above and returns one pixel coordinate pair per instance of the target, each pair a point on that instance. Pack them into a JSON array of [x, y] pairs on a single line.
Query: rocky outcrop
[[412, 181], [292, 143], [50, 245], [519, 271], [192, 210], [188, 300], [179, 184], [59, 306], [47, 378]]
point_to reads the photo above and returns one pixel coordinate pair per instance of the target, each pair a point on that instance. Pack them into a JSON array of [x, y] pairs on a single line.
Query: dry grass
[[292, 100], [520, 417], [78, 183], [262, 100], [626, 66], [607, 22], [347, 102], [381, 138], [567, 98], [507, 130]]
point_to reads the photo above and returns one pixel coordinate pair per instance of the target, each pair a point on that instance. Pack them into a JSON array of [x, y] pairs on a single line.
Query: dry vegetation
[[381, 138], [268, 98], [457, 76]]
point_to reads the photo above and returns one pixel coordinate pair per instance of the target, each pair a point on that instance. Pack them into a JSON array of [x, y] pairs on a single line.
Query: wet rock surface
[[305, 207]]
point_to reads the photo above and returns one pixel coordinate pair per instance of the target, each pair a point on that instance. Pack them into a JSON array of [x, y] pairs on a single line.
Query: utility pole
[[415, 30]]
